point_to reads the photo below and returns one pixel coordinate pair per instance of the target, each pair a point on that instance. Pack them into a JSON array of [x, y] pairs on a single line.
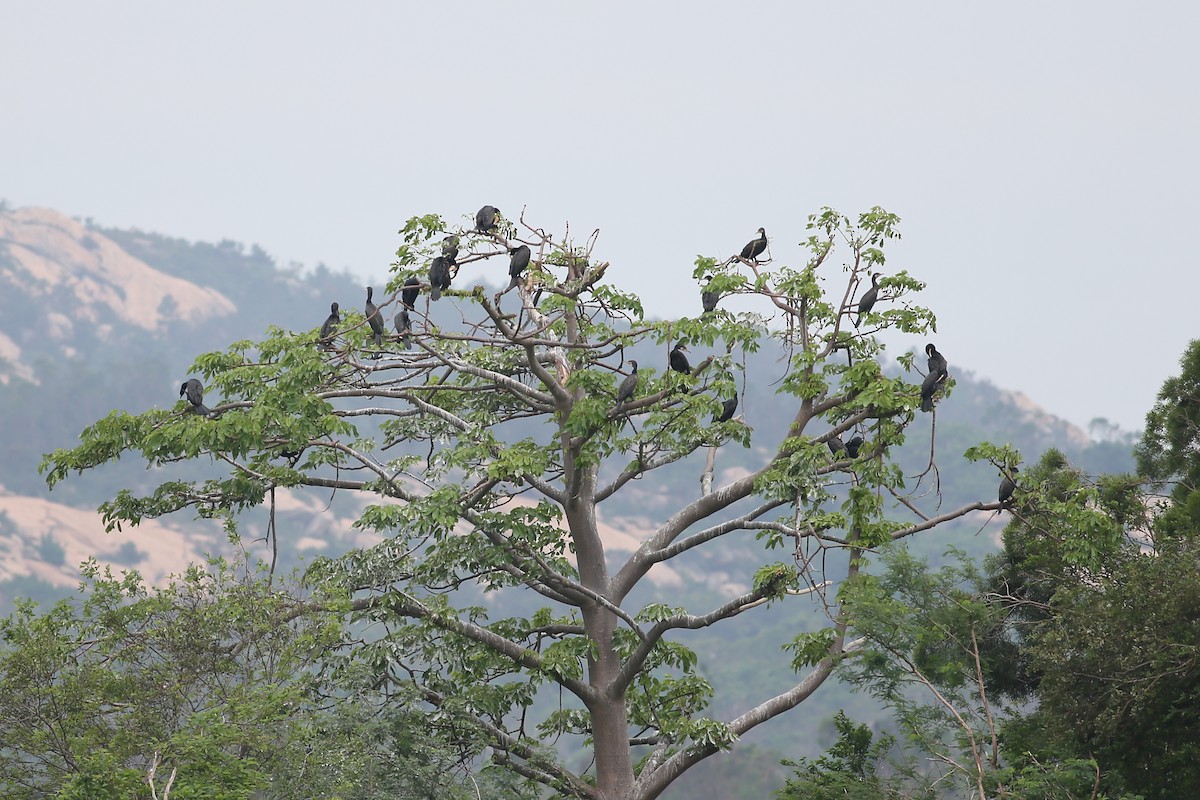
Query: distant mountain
[[93, 319]]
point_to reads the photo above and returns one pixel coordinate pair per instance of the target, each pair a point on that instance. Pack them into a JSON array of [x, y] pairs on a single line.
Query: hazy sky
[[1042, 155]]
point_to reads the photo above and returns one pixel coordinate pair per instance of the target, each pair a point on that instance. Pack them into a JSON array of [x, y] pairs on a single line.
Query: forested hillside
[[95, 320]]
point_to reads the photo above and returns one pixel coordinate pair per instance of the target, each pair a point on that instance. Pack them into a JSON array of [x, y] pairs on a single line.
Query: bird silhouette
[[678, 361], [867, 301], [934, 378], [193, 390], [412, 288], [628, 386], [329, 327], [439, 277], [485, 219], [374, 318], [755, 247], [403, 327], [517, 262]]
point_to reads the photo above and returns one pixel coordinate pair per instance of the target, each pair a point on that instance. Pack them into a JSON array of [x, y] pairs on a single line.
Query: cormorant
[[678, 360], [628, 386], [517, 262], [450, 248], [439, 277], [836, 445], [853, 446], [412, 288], [403, 327], [329, 328], [867, 301], [727, 409], [709, 298], [934, 378], [194, 391], [1008, 485], [755, 247], [485, 219], [374, 318]]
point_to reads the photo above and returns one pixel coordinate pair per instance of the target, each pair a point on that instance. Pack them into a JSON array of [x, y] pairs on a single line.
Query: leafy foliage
[[488, 449]]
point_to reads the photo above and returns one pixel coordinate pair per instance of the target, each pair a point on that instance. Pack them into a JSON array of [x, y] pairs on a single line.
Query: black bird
[[938, 372], [329, 328], [194, 391], [439, 277], [628, 386], [678, 360], [709, 298], [485, 219], [867, 301], [374, 318], [517, 262], [836, 445], [755, 247], [853, 446], [403, 327], [727, 409], [450, 248], [412, 288], [1008, 485]]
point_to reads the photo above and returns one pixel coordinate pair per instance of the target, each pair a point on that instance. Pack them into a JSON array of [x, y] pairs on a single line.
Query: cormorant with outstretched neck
[[755, 247], [329, 328], [412, 288], [485, 219], [517, 262], [1008, 485], [727, 409], [628, 386], [450, 248], [403, 327], [374, 318], [938, 372], [867, 301], [193, 390], [439, 277], [678, 360], [709, 298]]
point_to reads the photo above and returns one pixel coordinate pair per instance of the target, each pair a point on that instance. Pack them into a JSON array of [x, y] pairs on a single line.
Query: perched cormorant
[[853, 446], [485, 219], [194, 391], [678, 360], [937, 375], [403, 327], [439, 277], [1008, 485], [517, 262], [412, 288], [628, 386], [709, 298], [374, 318], [329, 328], [755, 247], [836, 445], [867, 301], [450, 248], [727, 409]]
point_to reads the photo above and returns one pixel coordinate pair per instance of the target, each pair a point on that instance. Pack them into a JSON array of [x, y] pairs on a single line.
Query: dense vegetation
[[397, 646]]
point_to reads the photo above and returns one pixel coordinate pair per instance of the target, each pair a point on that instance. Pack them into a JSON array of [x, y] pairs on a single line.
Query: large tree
[[490, 448]]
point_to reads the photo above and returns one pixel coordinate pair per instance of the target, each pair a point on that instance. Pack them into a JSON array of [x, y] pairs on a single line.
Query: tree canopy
[[487, 451]]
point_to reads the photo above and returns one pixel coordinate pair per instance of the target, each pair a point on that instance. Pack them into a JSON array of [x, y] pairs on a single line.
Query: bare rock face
[[79, 278]]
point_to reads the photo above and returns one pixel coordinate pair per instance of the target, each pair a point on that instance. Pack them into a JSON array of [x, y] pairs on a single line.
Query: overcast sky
[[1041, 155]]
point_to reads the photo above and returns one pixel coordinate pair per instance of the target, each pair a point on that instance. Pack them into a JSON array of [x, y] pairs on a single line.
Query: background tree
[[490, 448], [224, 683]]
